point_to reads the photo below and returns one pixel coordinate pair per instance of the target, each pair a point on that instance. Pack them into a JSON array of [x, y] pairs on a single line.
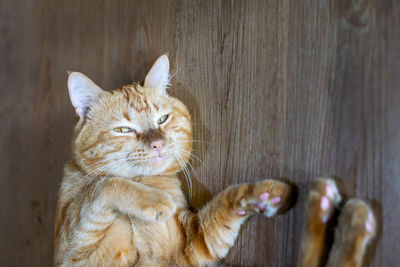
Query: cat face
[[132, 131]]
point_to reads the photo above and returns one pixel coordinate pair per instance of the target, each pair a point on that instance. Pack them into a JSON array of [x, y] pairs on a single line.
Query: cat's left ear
[[83, 92], [158, 76]]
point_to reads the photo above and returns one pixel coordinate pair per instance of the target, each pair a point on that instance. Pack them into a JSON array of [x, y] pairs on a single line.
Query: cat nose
[[157, 145]]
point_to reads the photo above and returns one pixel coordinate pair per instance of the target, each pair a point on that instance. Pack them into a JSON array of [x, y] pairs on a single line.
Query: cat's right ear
[[82, 91], [158, 76]]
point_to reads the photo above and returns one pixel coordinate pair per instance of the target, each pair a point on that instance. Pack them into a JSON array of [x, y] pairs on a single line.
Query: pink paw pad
[[330, 191], [368, 224], [275, 200], [264, 196], [324, 203], [241, 213]]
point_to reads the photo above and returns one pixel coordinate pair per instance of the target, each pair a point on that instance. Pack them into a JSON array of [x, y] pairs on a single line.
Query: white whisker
[[117, 155], [190, 154], [186, 174]]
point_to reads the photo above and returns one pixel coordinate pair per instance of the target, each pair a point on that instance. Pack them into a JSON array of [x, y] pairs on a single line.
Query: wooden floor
[[294, 89]]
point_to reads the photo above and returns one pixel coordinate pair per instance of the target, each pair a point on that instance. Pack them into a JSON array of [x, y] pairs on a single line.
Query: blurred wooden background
[[294, 89]]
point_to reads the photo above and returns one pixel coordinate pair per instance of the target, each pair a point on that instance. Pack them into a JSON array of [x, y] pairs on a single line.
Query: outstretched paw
[[324, 197], [267, 197]]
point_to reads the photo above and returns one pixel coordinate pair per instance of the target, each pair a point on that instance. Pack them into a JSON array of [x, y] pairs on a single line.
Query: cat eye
[[162, 119], [123, 130]]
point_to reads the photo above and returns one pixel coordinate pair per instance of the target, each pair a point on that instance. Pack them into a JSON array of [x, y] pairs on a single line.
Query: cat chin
[[159, 165]]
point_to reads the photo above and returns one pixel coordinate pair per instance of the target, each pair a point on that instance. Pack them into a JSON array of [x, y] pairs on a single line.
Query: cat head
[[132, 131]]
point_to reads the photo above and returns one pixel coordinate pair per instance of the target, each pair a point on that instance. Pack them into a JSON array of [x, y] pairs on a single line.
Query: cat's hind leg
[[356, 228], [322, 200], [213, 230]]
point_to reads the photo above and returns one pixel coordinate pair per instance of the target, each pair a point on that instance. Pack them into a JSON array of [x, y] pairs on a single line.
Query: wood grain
[[286, 89]]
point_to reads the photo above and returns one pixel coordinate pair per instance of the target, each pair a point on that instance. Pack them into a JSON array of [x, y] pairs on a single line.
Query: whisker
[[192, 169], [199, 141], [194, 141], [99, 171], [115, 165], [118, 155], [131, 165], [190, 166], [191, 155], [95, 176], [173, 75], [111, 168], [188, 178], [186, 174]]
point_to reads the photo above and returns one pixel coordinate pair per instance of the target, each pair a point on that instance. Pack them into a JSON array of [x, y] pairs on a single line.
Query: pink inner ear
[[158, 76], [82, 92]]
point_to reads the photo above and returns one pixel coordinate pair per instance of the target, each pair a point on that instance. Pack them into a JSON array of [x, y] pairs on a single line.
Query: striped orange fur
[[121, 203]]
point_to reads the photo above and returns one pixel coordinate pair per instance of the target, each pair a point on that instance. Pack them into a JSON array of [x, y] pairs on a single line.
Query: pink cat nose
[[157, 145]]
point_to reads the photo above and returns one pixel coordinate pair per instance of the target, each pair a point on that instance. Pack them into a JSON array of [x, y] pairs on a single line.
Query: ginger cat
[[121, 203]]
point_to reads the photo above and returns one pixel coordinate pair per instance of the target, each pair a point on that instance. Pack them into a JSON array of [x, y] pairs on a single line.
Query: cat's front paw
[[267, 197], [158, 207]]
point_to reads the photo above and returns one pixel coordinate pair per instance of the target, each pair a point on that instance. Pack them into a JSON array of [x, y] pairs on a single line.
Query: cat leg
[[321, 203], [356, 228], [213, 230]]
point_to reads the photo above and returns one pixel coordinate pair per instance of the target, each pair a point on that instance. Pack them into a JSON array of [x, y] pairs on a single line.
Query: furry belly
[[117, 248], [156, 243]]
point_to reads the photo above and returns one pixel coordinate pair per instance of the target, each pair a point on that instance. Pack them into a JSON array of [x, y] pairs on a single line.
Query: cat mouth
[[158, 159]]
